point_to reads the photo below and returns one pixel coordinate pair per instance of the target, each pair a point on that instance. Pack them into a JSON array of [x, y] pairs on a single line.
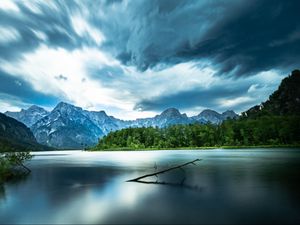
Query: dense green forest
[[275, 130], [274, 122]]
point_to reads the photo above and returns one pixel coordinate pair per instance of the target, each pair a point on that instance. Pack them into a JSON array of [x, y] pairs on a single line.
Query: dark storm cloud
[[54, 23], [20, 89], [221, 95], [204, 97], [27, 41], [107, 74], [234, 38], [238, 37]]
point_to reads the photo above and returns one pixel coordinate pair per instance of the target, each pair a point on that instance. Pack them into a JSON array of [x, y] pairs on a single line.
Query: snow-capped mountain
[[103, 121], [168, 117], [68, 126], [214, 117], [28, 116]]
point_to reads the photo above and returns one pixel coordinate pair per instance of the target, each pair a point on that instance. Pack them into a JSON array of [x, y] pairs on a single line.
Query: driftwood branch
[[23, 166], [138, 179], [180, 185]]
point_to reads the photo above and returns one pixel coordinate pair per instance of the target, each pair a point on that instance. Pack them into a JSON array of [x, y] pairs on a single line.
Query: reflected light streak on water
[[235, 186]]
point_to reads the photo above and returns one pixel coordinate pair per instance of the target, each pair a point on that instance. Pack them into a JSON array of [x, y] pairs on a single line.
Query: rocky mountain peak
[[171, 112], [209, 112], [229, 114], [63, 105], [102, 113], [29, 116], [68, 126], [66, 108], [36, 108]]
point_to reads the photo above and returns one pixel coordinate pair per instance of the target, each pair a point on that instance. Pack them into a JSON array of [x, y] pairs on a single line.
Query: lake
[[226, 186]]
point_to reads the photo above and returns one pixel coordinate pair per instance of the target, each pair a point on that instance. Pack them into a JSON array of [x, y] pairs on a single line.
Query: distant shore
[[195, 148]]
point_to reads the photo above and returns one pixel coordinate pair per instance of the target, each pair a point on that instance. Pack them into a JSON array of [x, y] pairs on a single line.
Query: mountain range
[[29, 116], [68, 126]]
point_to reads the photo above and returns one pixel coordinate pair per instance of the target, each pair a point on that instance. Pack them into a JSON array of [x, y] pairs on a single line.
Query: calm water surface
[[227, 186]]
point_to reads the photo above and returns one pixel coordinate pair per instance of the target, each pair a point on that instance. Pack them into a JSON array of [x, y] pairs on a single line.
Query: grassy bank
[[195, 148]]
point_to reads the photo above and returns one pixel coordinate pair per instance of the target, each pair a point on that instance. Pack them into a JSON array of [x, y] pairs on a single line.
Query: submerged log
[[162, 171], [24, 167], [181, 184]]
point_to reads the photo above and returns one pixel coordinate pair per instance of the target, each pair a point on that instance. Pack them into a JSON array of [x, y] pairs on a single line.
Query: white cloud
[[121, 92], [233, 102], [10, 103], [270, 77], [253, 88], [8, 35], [195, 110], [244, 93], [8, 5], [39, 34], [149, 84], [42, 66], [6, 106], [261, 86], [83, 28], [33, 6], [119, 97]]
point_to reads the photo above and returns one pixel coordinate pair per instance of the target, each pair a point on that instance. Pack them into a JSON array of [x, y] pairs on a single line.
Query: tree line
[[267, 130]]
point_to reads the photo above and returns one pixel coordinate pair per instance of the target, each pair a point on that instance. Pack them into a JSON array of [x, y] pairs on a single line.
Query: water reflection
[[254, 186], [19, 177], [2, 191]]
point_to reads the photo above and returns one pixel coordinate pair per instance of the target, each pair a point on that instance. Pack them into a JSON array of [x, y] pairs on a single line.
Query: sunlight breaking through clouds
[[88, 93], [135, 59], [9, 5]]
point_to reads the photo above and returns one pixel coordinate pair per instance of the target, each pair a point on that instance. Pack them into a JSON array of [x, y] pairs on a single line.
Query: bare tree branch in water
[[181, 184], [18, 159]]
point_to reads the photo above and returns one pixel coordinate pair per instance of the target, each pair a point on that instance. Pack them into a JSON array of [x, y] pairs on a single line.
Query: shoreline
[[194, 148]]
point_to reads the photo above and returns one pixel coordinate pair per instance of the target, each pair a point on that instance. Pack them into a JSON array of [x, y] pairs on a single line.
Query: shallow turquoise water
[[227, 186]]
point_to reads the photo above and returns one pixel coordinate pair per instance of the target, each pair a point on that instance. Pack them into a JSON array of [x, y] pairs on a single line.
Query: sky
[[137, 58]]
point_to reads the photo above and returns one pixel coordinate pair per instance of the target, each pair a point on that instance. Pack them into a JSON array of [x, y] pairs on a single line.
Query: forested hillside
[[251, 132], [284, 101], [274, 122], [15, 136]]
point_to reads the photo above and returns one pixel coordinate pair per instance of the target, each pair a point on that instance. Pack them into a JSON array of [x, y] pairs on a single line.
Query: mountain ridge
[[66, 126], [15, 136], [28, 116], [73, 127], [69, 126], [284, 101]]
